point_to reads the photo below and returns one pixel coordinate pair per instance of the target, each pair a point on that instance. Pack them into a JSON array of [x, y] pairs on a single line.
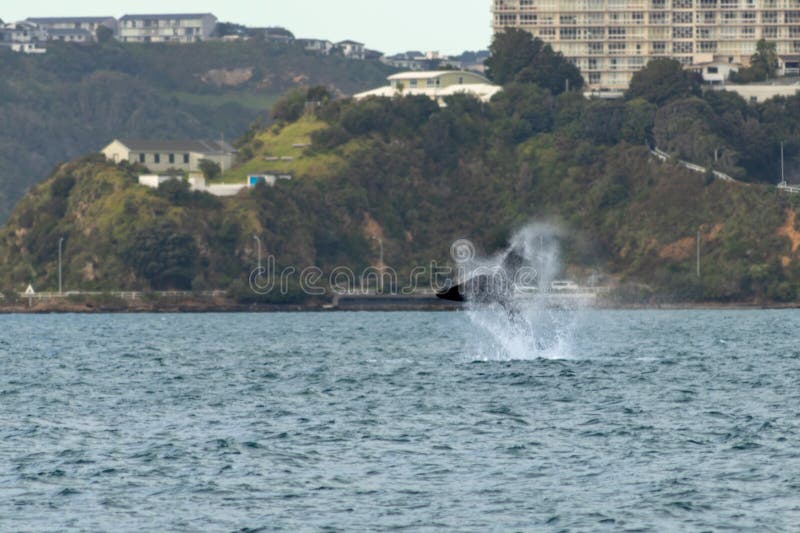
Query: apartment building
[[173, 28], [90, 24], [609, 40]]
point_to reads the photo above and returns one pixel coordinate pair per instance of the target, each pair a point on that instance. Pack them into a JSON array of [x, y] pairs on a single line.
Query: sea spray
[[516, 314]]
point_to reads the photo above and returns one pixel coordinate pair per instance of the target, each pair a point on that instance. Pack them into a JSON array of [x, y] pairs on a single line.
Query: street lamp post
[[60, 243], [380, 246], [258, 241]]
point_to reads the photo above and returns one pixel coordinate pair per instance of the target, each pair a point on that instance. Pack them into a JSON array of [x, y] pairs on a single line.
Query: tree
[[763, 64], [663, 80], [104, 34], [163, 256], [516, 56], [210, 169]]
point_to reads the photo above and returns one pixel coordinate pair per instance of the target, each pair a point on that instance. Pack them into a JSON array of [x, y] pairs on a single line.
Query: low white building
[[435, 85], [166, 28], [761, 92], [352, 49], [159, 156]]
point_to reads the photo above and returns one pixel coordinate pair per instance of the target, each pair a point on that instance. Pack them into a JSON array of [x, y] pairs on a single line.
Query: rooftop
[[56, 20], [168, 16], [149, 145], [430, 74]]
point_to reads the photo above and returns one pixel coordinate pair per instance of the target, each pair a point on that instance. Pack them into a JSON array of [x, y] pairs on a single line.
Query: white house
[[159, 156], [436, 85], [167, 28], [23, 37], [22, 32], [90, 24], [352, 49], [318, 46]]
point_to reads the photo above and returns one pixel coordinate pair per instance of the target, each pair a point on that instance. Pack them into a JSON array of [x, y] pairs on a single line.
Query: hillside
[[419, 177], [74, 99]]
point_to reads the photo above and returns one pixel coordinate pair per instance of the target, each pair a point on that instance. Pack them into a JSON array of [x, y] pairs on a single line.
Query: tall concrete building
[[609, 40]]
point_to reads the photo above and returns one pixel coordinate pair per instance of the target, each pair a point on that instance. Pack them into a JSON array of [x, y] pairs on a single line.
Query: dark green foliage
[[211, 169], [61, 186], [104, 35], [663, 80], [163, 256], [516, 56], [763, 64]]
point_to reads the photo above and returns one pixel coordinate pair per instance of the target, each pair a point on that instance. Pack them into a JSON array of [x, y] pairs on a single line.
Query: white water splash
[[528, 322]]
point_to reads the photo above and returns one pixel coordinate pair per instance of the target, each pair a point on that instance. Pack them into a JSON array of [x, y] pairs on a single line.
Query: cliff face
[[418, 177]]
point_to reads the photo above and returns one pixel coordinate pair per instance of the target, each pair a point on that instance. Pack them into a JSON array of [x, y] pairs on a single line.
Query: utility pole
[[783, 174], [380, 246], [698, 253], [60, 243]]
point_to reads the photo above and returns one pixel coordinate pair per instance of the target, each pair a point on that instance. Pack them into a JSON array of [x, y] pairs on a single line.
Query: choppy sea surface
[[645, 420]]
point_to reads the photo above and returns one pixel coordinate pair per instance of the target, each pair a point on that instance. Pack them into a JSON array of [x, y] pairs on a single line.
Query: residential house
[[23, 32], [90, 24], [160, 156], [414, 60], [318, 46], [167, 28], [352, 49], [71, 36], [22, 37], [436, 85]]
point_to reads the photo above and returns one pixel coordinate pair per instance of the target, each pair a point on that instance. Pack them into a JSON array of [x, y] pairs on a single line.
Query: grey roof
[[56, 20], [169, 16], [202, 146], [350, 42]]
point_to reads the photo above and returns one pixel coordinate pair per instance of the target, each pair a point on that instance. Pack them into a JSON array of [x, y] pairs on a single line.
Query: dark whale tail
[[481, 286]]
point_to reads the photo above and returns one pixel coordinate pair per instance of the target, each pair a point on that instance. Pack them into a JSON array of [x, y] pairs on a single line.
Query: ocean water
[[645, 420]]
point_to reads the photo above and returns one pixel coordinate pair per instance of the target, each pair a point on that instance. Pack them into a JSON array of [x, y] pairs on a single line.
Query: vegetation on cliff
[[418, 176], [75, 99]]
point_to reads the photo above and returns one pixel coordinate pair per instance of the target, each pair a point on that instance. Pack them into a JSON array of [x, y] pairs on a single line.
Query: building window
[[682, 47], [594, 78], [682, 4], [616, 49], [412, 84], [708, 46], [682, 32], [712, 70], [171, 158], [141, 158], [616, 34], [659, 47], [596, 49], [185, 159], [156, 158], [682, 17]]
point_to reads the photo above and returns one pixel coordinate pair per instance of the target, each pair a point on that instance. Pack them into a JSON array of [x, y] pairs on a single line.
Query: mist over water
[[523, 320]]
